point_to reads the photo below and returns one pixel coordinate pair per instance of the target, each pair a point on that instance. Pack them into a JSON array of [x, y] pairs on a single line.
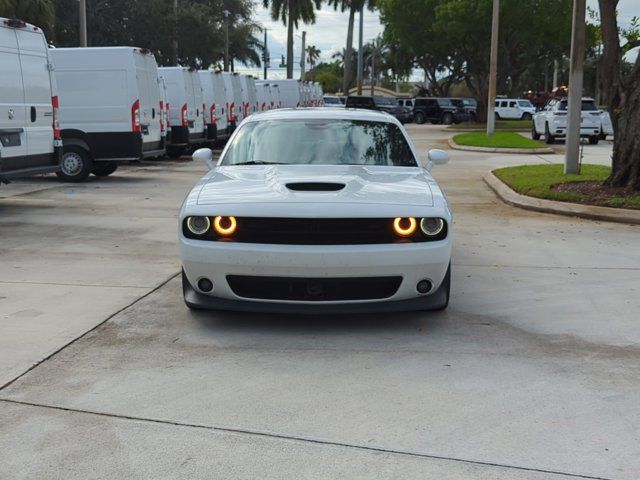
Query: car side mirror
[[436, 157], [205, 155]]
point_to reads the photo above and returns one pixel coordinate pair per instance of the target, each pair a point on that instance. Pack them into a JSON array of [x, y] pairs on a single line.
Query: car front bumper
[[413, 262]]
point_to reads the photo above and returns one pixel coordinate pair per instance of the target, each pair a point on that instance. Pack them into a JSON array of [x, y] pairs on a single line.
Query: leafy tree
[[622, 94], [36, 12], [313, 54], [330, 81], [291, 12]]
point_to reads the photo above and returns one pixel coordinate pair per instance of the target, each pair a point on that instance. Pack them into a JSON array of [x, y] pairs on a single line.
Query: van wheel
[[175, 152], [104, 169], [76, 164], [593, 140], [419, 118], [447, 119]]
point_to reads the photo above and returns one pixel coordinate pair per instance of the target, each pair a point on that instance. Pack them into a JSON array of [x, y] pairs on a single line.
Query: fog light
[[424, 286], [225, 226], [198, 225], [405, 227], [205, 285], [431, 226]]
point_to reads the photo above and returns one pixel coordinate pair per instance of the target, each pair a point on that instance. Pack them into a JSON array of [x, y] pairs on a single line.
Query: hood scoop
[[315, 186]]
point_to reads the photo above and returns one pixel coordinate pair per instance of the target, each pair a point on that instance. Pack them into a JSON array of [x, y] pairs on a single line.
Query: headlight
[[431, 226], [198, 225], [405, 227], [225, 226]]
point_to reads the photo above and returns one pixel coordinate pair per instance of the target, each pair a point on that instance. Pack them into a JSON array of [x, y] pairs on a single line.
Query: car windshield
[[319, 142], [587, 105], [525, 103], [384, 101]]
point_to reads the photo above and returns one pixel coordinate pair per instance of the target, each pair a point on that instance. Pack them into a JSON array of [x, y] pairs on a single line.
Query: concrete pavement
[[532, 373]]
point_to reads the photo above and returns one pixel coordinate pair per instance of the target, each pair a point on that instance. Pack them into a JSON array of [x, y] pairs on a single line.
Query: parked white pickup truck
[[552, 120]]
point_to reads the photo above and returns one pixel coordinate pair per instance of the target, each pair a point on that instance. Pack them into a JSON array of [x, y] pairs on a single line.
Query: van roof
[[16, 23]]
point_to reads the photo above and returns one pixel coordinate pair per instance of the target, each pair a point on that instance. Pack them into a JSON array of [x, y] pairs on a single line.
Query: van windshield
[[319, 142]]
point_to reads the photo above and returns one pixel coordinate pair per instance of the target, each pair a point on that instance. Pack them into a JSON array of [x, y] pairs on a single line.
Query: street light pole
[[266, 54], [174, 43], [360, 53], [493, 70], [83, 22], [226, 14], [576, 73], [302, 59]]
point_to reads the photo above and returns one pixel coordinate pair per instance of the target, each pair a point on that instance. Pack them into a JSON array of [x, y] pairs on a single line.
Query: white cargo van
[[290, 93], [249, 95], [184, 96], [234, 98], [29, 137], [164, 111], [263, 94], [276, 98], [209, 107], [109, 108], [220, 94]]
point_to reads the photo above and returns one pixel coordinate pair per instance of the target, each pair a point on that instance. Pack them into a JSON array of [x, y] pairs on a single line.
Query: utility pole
[[174, 43], [493, 70], [83, 22], [576, 73], [556, 71], [302, 59], [226, 14], [266, 54], [373, 71], [360, 53]]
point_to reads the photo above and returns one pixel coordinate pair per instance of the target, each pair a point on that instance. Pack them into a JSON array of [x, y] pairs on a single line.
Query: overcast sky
[[330, 30]]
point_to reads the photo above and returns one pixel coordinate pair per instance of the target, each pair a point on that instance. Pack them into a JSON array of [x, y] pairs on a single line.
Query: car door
[[13, 135], [432, 110]]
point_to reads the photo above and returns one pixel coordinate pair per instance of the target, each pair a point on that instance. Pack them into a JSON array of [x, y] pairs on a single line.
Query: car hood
[[294, 184]]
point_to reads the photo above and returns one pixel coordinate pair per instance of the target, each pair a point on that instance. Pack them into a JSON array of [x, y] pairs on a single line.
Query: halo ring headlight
[[431, 226], [405, 226], [198, 225], [225, 226]]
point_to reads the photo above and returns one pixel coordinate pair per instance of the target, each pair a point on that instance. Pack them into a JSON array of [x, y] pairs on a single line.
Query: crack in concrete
[[309, 440]]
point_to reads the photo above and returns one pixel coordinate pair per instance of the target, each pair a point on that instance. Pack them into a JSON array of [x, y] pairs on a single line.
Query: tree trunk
[[348, 75], [289, 45], [622, 96]]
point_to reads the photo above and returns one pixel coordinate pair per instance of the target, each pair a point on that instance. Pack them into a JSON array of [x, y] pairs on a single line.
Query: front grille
[[316, 231], [313, 289]]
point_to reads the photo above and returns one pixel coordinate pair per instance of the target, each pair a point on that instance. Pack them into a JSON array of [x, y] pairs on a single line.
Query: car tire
[[76, 164], [527, 116], [104, 169], [419, 118], [593, 140], [173, 152], [548, 138], [534, 133], [446, 283], [497, 115], [447, 119]]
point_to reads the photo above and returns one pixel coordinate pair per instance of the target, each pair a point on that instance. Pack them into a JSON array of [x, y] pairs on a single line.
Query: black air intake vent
[[315, 187]]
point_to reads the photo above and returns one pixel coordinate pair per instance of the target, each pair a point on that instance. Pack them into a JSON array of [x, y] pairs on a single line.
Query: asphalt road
[[532, 373]]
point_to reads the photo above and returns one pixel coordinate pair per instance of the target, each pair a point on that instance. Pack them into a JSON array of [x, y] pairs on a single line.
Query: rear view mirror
[[204, 155], [436, 157]]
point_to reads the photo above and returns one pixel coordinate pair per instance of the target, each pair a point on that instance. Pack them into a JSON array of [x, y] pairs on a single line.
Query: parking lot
[[532, 373]]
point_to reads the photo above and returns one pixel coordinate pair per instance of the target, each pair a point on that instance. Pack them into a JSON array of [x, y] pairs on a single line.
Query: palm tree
[[291, 12], [353, 6], [313, 54], [244, 45]]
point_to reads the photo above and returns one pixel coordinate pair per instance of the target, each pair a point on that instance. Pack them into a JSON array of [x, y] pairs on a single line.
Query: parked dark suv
[[470, 105], [438, 110], [382, 104]]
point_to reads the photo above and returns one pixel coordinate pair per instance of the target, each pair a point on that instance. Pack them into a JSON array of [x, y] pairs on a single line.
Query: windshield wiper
[[258, 162]]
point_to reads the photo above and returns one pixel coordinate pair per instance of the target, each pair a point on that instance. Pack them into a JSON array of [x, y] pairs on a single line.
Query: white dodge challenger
[[317, 211]]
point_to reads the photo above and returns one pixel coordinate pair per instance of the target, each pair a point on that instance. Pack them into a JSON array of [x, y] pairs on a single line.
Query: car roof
[[323, 113]]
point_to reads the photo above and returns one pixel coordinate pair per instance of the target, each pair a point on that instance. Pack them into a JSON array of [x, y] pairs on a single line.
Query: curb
[[543, 150], [592, 212]]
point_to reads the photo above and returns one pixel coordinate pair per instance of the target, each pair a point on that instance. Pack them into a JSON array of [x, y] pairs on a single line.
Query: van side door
[[13, 135]]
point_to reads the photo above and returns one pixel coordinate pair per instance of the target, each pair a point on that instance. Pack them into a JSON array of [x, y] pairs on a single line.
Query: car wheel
[[603, 136], [173, 152], [498, 116], [534, 133], [446, 284], [76, 164], [447, 119], [104, 169], [594, 140], [419, 118], [548, 138], [527, 116]]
